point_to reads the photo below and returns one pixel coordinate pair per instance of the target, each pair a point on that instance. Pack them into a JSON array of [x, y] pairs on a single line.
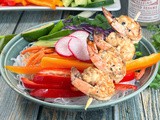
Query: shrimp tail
[[78, 82], [108, 15]]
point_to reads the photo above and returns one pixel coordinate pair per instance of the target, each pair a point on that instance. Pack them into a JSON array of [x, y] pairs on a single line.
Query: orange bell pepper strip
[[142, 62], [23, 2], [48, 62], [24, 69], [48, 3]]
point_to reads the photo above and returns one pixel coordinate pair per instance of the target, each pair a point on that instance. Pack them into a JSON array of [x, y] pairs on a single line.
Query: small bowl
[[13, 48]]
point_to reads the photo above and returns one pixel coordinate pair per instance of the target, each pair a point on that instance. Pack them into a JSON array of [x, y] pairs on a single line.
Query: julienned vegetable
[[32, 85], [124, 87], [128, 77], [55, 93], [52, 76], [49, 62], [143, 62]]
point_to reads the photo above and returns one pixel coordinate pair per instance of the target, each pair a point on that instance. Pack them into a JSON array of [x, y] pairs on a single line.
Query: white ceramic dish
[[114, 7]]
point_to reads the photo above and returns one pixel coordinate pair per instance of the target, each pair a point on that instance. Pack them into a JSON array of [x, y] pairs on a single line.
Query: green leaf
[[156, 37]]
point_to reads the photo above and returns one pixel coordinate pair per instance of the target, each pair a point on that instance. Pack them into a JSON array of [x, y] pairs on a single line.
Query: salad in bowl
[[80, 63]]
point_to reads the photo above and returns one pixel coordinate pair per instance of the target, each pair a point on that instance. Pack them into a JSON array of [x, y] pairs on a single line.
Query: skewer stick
[[88, 103], [136, 17]]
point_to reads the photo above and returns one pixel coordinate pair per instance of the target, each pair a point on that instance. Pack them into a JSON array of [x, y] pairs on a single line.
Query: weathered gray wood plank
[[33, 18], [8, 22], [52, 114], [13, 106]]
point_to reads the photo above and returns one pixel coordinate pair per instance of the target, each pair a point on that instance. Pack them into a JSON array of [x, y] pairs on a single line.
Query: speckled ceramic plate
[[13, 48]]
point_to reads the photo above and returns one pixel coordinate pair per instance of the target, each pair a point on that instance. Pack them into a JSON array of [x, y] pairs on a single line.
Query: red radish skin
[[61, 46]]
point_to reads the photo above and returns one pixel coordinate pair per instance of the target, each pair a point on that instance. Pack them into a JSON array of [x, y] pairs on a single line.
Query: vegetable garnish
[[124, 87], [24, 69], [142, 62], [32, 85], [48, 62], [55, 93], [51, 76]]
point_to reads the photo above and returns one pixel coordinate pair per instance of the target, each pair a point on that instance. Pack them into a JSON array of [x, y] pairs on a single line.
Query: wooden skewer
[[88, 103], [136, 17]]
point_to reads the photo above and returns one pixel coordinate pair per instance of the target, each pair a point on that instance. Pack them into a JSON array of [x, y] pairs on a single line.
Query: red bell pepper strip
[[55, 93], [53, 76], [7, 2], [128, 77], [124, 87], [32, 85]]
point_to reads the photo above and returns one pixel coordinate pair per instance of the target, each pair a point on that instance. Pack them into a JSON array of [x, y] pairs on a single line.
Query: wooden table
[[144, 106]]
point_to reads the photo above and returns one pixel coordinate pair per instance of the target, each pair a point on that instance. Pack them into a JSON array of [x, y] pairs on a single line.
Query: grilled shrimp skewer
[[108, 56], [107, 59], [123, 44], [93, 82], [125, 26]]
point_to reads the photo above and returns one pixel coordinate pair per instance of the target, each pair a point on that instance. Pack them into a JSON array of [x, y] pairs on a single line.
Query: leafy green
[[138, 52], [98, 21], [156, 43], [156, 82]]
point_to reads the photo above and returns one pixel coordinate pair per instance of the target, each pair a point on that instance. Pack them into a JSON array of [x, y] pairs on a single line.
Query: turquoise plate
[[13, 48]]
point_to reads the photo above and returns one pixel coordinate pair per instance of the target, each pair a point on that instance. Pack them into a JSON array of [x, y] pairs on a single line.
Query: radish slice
[[82, 35], [78, 49], [61, 46]]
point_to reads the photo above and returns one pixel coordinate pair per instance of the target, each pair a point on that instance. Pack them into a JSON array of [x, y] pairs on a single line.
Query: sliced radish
[[78, 49], [61, 46], [82, 35]]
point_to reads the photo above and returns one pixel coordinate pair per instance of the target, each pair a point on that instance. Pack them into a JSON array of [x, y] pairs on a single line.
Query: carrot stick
[[33, 57], [55, 55], [49, 50], [31, 49], [37, 59]]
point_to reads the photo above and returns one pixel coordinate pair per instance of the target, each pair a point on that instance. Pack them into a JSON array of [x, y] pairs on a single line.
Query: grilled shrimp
[[93, 82], [125, 26], [106, 58], [123, 44]]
